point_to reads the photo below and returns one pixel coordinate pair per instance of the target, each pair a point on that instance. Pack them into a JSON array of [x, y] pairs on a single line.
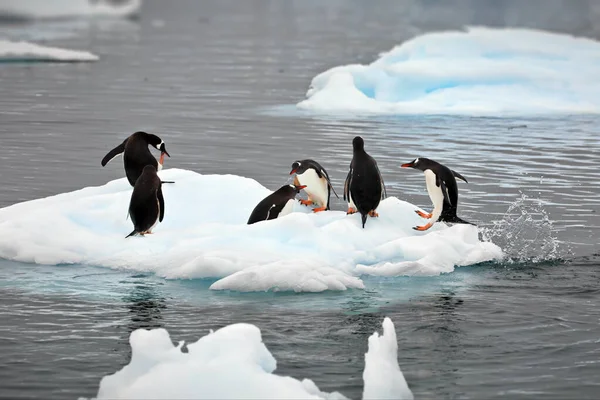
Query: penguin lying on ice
[[147, 206], [443, 191], [364, 187], [136, 154], [315, 180], [278, 203]]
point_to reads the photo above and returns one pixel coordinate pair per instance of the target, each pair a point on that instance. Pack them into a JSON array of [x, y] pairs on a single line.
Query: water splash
[[525, 233]]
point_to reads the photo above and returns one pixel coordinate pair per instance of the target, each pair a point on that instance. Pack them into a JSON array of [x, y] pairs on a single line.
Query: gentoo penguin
[[136, 154], [147, 206], [364, 187], [278, 203], [315, 179], [442, 189]]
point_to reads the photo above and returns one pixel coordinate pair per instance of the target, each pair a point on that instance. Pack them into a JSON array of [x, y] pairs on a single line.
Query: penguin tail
[[133, 233], [364, 219]]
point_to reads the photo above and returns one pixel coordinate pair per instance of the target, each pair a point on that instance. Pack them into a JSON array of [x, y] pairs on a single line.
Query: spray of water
[[525, 233]]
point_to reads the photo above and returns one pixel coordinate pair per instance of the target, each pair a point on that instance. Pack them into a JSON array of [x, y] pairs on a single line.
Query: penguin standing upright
[[136, 154], [313, 176], [443, 191], [278, 203], [147, 205], [364, 187]]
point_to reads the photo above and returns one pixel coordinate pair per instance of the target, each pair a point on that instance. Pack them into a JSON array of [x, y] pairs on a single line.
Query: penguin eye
[[416, 161]]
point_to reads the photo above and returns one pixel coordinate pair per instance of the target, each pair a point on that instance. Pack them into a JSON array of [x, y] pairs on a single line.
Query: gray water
[[217, 80]]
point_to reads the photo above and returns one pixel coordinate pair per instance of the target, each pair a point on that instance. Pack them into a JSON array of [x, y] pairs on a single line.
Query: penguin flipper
[[113, 153], [444, 191], [347, 185], [329, 182], [383, 191], [459, 176], [161, 203]]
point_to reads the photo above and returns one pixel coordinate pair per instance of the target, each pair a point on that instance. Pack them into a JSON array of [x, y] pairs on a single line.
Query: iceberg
[[234, 363], [42, 9], [478, 71], [31, 52], [204, 235]]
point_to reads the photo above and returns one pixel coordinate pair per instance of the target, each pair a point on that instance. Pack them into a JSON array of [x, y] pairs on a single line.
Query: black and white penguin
[[277, 204], [136, 154], [364, 187], [315, 179], [147, 206], [443, 191]]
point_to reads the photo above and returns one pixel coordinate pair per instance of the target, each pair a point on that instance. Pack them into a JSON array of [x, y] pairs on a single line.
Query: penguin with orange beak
[[443, 192], [136, 154], [315, 180], [277, 204]]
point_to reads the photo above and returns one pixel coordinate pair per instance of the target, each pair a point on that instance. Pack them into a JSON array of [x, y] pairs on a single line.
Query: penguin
[[147, 205], [443, 191], [278, 203], [313, 176], [364, 187], [136, 154]]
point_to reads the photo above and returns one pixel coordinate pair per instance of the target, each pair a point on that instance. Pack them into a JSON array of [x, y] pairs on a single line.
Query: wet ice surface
[[219, 83]]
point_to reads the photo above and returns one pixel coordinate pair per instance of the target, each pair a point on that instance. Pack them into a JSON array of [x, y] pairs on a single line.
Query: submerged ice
[[481, 71], [25, 51], [204, 235], [234, 363]]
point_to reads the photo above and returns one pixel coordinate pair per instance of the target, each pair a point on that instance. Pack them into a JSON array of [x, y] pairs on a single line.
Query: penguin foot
[[373, 214], [319, 209], [424, 215], [306, 202], [423, 227], [350, 211]]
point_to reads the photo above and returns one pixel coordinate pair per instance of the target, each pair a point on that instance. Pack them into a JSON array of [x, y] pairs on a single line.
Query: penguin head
[[157, 143], [298, 167], [418, 163], [358, 143], [290, 191]]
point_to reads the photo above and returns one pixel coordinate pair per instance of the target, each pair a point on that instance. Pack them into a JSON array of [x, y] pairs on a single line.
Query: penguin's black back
[[136, 156], [146, 205], [270, 207], [365, 182]]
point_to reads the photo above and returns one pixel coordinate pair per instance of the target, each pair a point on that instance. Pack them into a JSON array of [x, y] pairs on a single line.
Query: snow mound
[[204, 235], [234, 363], [30, 52], [41, 9], [382, 376], [480, 71]]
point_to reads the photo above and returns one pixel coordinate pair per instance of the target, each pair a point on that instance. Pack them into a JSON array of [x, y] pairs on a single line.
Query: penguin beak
[[407, 165], [300, 187], [163, 150], [293, 171]]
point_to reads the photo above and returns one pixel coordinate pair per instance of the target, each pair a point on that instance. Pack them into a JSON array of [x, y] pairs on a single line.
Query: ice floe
[[204, 235], [30, 52], [234, 363], [478, 71]]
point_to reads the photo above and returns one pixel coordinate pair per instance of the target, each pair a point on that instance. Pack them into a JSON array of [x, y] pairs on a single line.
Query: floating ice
[[37, 9], [204, 235], [481, 71], [234, 363], [25, 51]]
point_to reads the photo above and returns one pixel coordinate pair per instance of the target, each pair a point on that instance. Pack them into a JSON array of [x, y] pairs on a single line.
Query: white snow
[[204, 235], [25, 51], [478, 71], [39, 9], [234, 363]]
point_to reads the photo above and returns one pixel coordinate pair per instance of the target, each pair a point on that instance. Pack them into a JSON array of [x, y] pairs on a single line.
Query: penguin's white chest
[[287, 209], [435, 194], [316, 187]]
